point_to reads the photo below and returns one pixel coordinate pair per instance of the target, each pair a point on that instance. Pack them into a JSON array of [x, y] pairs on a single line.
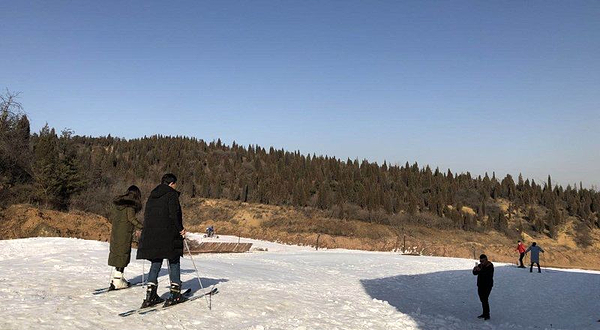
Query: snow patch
[[47, 283]]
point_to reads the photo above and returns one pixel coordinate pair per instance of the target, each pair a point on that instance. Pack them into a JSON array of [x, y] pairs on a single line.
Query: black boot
[[151, 297], [176, 297]]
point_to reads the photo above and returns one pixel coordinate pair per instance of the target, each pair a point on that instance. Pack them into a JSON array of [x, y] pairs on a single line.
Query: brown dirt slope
[[304, 226], [20, 221]]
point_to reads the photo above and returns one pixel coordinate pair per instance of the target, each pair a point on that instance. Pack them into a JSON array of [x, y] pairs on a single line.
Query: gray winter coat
[[535, 253]]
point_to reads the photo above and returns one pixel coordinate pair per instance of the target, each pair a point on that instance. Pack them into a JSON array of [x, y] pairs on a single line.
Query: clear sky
[[504, 86]]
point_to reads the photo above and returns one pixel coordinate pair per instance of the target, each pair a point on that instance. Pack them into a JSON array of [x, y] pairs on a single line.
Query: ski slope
[[47, 283]]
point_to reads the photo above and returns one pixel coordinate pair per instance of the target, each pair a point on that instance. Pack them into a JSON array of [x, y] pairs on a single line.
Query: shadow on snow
[[554, 298], [191, 283]]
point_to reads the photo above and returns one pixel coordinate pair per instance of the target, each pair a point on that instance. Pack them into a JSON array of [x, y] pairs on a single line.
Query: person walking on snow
[[162, 238], [485, 282], [535, 256], [521, 249], [124, 222]]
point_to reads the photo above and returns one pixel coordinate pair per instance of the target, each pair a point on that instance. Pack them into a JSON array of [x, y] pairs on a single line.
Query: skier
[[124, 222], [521, 249], [535, 256], [162, 238], [210, 231], [485, 282]]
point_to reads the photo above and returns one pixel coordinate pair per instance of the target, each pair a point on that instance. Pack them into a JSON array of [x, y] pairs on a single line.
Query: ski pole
[[197, 273], [143, 274], [112, 273]]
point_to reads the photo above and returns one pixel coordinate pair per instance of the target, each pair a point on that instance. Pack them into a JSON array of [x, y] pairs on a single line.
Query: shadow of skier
[[206, 282], [555, 298]]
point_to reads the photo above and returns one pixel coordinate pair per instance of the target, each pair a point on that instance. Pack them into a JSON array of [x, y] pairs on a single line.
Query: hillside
[[304, 226], [291, 197], [20, 221], [86, 173]]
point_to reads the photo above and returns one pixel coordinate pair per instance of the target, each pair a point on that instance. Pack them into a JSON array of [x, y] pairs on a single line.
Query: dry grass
[[20, 221], [303, 226], [468, 210]]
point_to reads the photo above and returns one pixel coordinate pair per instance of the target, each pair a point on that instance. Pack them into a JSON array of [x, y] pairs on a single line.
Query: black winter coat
[[163, 221], [485, 275]]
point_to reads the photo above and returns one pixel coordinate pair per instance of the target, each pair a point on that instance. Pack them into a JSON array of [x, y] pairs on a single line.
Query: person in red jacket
[[521, 249]]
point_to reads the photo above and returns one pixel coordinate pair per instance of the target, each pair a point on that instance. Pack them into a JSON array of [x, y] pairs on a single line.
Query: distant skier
[[162, 238], [521, 249], [535, 256], [124, 222], [485, 282], [210, 231]]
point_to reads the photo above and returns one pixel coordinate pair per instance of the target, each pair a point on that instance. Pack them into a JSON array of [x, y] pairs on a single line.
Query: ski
[[160, 308], [139, 310], [105, 290]]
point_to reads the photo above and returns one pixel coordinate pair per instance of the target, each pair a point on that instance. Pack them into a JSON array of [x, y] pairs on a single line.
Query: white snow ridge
[[47, 283]]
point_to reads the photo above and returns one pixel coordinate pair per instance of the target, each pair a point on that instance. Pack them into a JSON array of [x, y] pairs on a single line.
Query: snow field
[[47, 283]]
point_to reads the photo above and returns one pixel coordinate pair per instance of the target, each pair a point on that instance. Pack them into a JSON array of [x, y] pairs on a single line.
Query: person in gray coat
[[535, 256]]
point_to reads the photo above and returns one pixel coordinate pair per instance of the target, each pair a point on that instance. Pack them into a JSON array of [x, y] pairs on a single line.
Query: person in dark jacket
[[162, 238], [485, 282], [535, 256], [124, 222]]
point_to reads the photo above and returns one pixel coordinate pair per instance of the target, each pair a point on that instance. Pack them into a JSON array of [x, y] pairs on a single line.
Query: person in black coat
[[162, 238], [485, 282]]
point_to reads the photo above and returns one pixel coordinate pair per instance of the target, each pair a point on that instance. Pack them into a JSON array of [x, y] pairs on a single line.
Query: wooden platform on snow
[[221, 247]]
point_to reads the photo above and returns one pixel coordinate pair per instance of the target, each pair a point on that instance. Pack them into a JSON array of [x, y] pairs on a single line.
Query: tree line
[[65, 171]]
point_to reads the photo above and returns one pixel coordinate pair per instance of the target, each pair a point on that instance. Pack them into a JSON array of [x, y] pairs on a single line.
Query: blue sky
[[504, 86]]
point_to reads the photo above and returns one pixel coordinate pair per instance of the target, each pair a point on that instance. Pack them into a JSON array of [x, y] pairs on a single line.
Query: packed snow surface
[[47, 283]]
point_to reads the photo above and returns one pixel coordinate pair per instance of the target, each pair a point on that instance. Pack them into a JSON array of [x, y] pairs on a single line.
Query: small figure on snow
[[124, 222], [485, 282], [521, 249], [535, 256], [162, 238], [210, 231]]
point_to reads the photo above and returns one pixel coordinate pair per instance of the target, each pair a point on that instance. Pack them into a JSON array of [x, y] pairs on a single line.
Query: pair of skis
[[156, 308], [108, 289]]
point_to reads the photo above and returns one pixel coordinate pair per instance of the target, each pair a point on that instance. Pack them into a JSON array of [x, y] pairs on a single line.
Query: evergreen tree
[[501, 222], [69, 177], [45, 166]]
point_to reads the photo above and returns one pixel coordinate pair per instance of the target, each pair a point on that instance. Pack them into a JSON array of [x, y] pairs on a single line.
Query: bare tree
[[9, 106], [14, 141]]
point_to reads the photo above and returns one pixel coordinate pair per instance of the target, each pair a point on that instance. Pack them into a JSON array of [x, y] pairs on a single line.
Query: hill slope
[[305, 226], [20, 221]]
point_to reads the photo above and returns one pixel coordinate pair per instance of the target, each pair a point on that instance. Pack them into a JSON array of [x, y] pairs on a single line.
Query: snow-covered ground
[[47, 283]]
